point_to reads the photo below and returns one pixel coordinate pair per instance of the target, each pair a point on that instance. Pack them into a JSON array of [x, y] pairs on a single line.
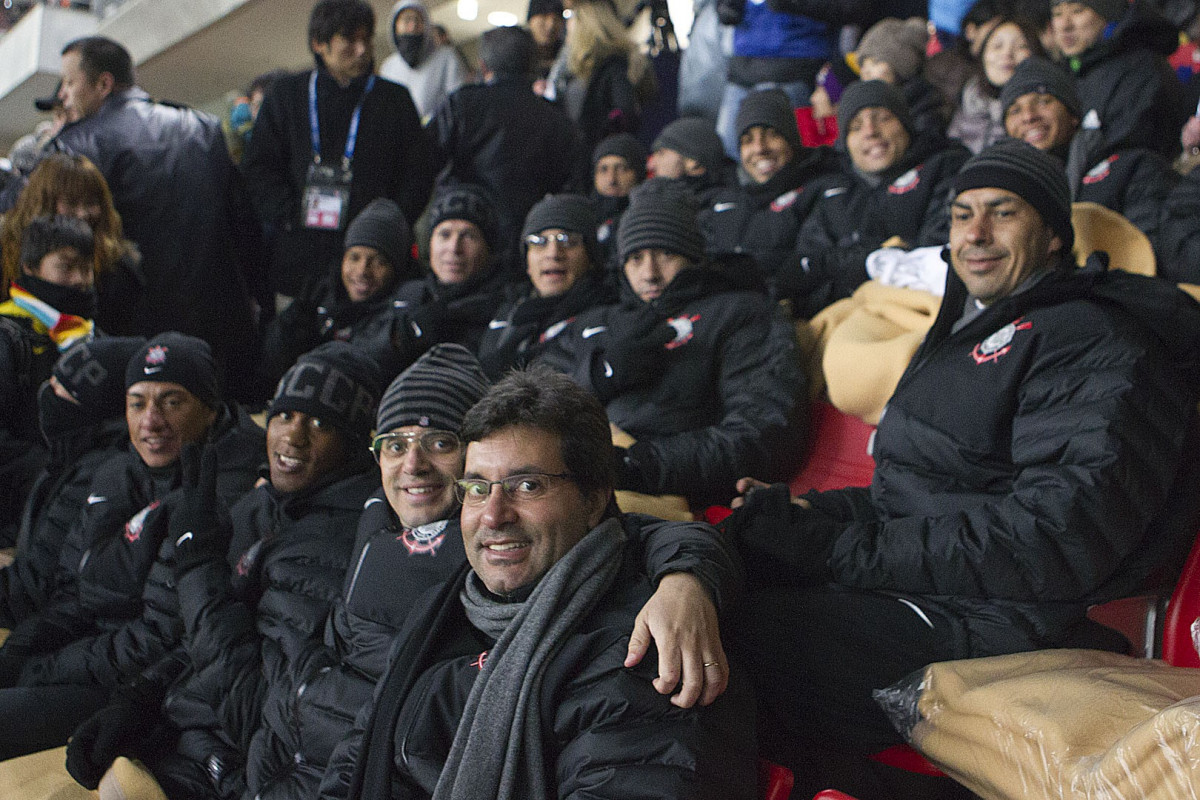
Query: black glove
[[12, 660], [776, 535], [629, 476], [195, 525], [115, 730], [635, 358], [425, 322]]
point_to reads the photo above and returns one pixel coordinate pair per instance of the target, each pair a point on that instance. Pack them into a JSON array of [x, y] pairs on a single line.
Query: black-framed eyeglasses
[[564, 239], [518, 488], [392, 446]]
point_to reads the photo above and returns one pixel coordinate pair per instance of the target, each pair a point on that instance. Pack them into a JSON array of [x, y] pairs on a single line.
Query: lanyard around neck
[[314, 127]]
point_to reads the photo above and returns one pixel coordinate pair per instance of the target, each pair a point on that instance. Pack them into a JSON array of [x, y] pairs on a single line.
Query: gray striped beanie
[[1036, 177], [661, 216], [435, 392]]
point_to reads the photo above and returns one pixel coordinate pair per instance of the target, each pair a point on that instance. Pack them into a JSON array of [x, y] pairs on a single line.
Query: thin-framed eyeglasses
[[517, 488], [564, 239], [395, 445]]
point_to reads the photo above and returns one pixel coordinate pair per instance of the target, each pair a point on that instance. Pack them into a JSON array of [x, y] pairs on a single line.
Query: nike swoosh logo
[[186, 537], [416, 329], [95, 498], [497, 324], [152, 370], [719, 207], [608, 373], [590, 332]]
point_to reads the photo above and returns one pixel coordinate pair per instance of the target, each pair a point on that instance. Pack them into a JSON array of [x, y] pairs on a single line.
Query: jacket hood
[[419, 6], [1142, 28]]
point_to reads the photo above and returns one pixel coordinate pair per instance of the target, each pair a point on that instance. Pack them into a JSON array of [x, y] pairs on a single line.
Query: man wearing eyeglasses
[[513, 679], [562, 260]]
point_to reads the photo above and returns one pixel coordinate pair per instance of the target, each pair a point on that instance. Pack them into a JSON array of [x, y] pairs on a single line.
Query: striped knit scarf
[[63, 329]]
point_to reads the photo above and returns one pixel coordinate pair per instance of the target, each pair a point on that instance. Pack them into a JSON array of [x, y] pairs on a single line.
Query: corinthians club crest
[[999, 343], [425, 539]]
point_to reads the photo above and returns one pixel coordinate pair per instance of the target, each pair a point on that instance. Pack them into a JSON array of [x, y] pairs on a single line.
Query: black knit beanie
[[1110, 10], [94, 372], [470, 204], [627, 147], [695, 138], [772, 108], [382, 225], [335, 382], [435, 392], [1040, 75], [1038, 178], [537, 7], [173, 357], [871, 94], [661, 215], [569, 212]]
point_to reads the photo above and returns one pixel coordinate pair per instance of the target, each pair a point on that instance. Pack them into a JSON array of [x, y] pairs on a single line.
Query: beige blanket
[[858, 347], [1063, 724]]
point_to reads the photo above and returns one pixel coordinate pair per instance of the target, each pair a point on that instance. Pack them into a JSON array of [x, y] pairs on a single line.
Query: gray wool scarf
[[497, 750]]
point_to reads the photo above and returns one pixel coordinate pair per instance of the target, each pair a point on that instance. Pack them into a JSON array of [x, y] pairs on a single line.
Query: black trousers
[[815, 655], [35, 718]]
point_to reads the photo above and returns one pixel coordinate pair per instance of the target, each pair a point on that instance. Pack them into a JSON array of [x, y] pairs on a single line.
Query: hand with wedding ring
[[682, 621]]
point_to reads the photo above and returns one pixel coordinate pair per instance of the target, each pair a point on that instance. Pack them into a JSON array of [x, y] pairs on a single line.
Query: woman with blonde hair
[[71, 185], [607, 73]]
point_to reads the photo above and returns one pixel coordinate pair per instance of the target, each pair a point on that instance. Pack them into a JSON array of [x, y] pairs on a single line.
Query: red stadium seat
[[1182, 610], [838, 454]]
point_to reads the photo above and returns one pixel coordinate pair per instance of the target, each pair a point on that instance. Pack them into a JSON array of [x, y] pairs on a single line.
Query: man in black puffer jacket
[[1119, 51], [1035, 459], [111, 614], [408, 541], [893, 184], [1041, 106], [762, 218], [702, 372], [557, 708], [253, 612], [354, 302], [81, 411]]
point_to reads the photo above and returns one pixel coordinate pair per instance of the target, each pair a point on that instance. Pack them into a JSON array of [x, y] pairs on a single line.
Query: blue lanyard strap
[[314, 127]]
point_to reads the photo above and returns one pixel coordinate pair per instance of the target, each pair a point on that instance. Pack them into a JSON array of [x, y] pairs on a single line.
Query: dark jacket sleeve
[[759, 386], [1146, 195], [266, 164], [1179, 235], [692, 547]]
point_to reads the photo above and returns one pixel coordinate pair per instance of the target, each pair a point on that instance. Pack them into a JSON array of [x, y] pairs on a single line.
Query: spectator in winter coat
[[51, 306], [1118, 51], [1042, 107], [81, 417], [111, 612], [304, 196], [500, 135], [588, 720], [430, 71], [618, 165], [180, 200], [699, 370], [1179, 237], [253, 587], [762, 218], [548, 27], [892, 188], [1029, 464], [565, 279], [457, 297], [355, 302], [979, 119], [690, 151], [893, 51]]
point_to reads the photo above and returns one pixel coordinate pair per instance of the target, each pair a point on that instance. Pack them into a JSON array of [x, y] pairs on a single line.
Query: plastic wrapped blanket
[[1056, 724]]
